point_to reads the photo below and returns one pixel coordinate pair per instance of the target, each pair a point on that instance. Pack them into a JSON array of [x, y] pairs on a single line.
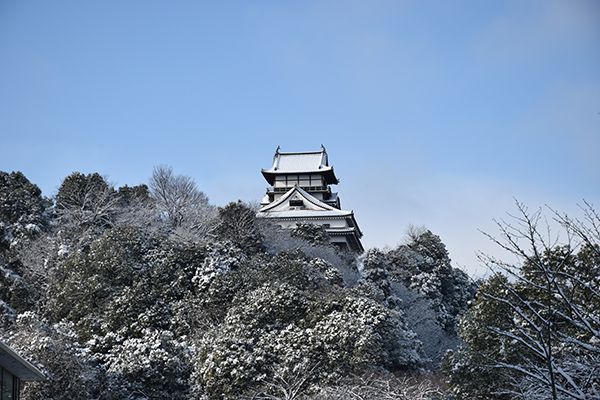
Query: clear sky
[[435, 113]]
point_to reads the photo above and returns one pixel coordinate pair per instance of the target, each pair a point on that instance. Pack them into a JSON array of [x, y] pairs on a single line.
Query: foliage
[[313, 234], [279, 329], [237, 223], [125, 297], [154, 365], [277, 240], [151, 292], [130, 194], [183, 207], [69, 368], [423, 265], [86, 203], [24, 217], [125, 275], [417, 278], [534, 330], [22, 207], [382, 386]]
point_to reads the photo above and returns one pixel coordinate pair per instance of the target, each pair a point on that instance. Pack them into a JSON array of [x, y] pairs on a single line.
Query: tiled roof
[[306, 196], [298, 163], [306, 214], [340, 231], [324, 211]]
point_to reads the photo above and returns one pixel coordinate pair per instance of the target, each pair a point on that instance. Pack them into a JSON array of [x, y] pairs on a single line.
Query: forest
[[152, 292]]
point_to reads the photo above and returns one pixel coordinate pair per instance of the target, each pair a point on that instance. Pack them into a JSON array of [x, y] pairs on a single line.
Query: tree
[[313, 234], [86, 205], [381, 386], [21, 202], [277, 331], [24, 216], [417, 278], [131, 194], [128, 299], [423, 265], [535, 326], [70, 369], [184, 208], [137, 208], [237, 223], [276, 239]]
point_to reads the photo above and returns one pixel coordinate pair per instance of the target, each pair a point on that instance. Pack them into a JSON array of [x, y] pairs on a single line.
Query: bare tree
[[185, 208], [381, 386], [85, 205], [588, 230], [138, 209], [287, 384], [552, 306]]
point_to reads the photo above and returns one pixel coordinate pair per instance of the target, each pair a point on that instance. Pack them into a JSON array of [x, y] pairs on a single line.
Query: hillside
[[151, 292]]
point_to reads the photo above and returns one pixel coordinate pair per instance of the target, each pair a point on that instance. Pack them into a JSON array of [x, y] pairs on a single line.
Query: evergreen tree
[[534, 330], [423, 265], [313, 234], [86, 205], [24, 216], [237, 223], [23, 210]]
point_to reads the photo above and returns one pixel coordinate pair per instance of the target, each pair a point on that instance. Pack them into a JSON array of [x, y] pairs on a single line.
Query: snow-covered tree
[[154, 365], [138, 209], [381, 386], [417, 279], [23, 210], [24, 220], [85, 205], [313, 234], [184, 208], [151, 292], [290, 316], [237, 223], [128, 299], [70, 369], [534, 330], [423, 265]]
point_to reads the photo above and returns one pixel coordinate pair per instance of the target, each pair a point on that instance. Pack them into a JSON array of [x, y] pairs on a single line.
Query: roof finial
[[277, 151], [323, 147]]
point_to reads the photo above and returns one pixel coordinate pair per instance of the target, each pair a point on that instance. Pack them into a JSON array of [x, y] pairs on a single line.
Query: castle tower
[[300, 192]]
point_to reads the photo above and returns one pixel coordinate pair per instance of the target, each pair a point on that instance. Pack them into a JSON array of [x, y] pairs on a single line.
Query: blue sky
[[433, 113]]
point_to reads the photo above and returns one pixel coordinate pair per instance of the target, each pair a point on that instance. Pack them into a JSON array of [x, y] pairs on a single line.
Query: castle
[[300, 192]]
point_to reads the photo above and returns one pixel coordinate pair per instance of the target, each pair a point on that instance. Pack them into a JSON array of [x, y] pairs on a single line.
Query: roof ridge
[[316, 201], [304, 194], [300, 152], [279, 200]]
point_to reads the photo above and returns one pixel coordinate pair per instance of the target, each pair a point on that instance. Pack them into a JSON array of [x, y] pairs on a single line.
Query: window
[[292, 180], [296, 203], [302, 180], [10, 386], [279, 181]]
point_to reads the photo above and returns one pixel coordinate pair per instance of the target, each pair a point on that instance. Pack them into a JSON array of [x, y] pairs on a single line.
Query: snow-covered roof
[[340, 231], [17, 365], [313, 209], [309, 214], [314, 204], [312, 162]]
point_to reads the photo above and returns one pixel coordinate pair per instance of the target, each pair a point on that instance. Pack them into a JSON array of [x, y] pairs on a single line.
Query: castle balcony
[[310, 189]]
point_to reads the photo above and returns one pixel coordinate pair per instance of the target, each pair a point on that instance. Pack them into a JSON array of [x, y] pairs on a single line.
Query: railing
[[307, 188]]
